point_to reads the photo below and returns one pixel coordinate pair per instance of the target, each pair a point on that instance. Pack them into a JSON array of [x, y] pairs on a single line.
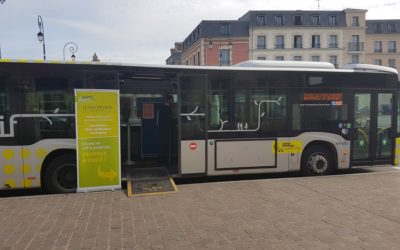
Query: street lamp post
[[40, 35], [73, 48], [1, 1]]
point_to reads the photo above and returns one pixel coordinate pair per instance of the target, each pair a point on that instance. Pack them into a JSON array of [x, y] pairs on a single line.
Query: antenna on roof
[[318, 3]]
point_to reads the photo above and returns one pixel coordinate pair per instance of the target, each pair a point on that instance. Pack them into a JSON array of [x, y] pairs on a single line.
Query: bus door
[[149, 108], [192, 123], [373, 123]]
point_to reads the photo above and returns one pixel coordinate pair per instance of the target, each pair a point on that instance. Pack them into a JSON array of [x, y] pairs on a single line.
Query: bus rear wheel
[[317, 160], [60, 175]]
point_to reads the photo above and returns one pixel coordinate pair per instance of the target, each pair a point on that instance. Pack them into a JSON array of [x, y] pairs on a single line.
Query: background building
[[382, 39], [332, 36], [176, 54], [339, 37], [216, 43]]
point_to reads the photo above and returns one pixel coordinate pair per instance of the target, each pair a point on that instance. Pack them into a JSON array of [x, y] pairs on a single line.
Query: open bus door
[[192, 125], [374, 138]]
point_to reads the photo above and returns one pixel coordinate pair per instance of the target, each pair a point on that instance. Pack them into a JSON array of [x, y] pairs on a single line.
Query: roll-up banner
[[98, 139]]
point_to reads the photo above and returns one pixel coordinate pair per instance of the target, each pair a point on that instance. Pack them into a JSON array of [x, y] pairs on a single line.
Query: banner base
[[98, 189]]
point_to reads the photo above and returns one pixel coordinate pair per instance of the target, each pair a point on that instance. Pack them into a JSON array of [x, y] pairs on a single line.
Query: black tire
[[317, 160], [60, 175]]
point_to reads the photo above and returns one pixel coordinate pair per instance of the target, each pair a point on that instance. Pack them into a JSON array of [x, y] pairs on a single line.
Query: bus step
[[149, 181]]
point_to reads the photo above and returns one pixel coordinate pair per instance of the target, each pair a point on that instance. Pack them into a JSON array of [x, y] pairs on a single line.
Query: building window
[[315, 58], [279, 58], [297, 42], [356, 21], [333, 20], [333, 41], [392, 46], [355, 44], [378, 62], [279, 42], [225, 29], [355, 59], [392, 63], [333, 60], [261, 58], [378, 46], [391, 27], [261, 20], [279, 20], [315, 20], [198, 58], [297, 58], [261, 42], [298, 20], [378, 28], [315, 41], [225, 57]]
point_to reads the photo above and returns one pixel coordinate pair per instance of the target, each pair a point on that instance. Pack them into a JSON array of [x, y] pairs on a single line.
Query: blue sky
[[136, 31]]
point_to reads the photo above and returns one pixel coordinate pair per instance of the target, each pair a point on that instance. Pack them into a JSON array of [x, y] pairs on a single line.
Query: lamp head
[[40, 36]]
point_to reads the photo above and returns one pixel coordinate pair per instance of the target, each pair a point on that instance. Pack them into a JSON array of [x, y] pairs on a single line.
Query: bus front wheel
[[317, 160], [60, 175]]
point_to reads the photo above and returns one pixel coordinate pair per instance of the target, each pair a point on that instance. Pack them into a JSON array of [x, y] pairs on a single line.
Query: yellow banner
[[98, 144]]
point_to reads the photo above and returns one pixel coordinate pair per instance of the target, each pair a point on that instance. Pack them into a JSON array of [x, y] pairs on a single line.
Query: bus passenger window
[[3, 96], [319, 112], [219, 111], [272, 114], [50, 96], [102, 80]]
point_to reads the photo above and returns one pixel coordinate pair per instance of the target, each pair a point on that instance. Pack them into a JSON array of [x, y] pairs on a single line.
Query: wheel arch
[[49, 158], [325, 144]]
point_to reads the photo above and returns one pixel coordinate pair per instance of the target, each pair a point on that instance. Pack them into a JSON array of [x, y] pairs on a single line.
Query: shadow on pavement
[[194, 180]]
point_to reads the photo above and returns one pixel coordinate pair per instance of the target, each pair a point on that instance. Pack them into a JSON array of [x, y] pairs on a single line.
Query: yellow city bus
[[255, 117]]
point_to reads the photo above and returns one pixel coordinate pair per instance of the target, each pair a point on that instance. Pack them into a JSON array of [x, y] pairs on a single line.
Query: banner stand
[[97, 140]]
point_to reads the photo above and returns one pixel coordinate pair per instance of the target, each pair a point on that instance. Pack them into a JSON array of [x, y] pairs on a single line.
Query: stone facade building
[[339, 37], [332, 36], [383, 37]]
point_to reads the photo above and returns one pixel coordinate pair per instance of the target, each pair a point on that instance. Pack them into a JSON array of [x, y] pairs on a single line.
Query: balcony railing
[[356, 46], [316, 45], [392, 50], [279, 46], [298, 45], [333, 45]]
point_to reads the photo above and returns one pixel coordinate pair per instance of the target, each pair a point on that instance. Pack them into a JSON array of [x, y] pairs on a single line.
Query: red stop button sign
[[193, 146]]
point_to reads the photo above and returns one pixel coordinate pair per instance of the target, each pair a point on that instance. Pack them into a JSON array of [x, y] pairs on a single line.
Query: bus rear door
[[373, 122], [192, 124]]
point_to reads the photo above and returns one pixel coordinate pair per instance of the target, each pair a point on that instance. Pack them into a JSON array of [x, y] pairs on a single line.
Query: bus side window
[[49, 96], [101, 80]]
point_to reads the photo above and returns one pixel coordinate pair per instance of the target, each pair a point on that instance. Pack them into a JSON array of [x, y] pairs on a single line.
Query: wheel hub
[[318, 163]]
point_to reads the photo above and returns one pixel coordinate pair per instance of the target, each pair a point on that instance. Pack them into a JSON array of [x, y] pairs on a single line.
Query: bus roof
[[251, 65]]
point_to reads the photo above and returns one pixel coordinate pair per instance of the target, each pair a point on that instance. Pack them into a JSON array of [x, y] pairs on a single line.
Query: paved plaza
[[350, 211]]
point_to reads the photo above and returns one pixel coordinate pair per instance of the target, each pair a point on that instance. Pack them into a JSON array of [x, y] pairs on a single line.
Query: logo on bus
[[193, 146]]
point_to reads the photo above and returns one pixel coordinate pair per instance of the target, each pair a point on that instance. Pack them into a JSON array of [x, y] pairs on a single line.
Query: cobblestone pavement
[[357, 211]]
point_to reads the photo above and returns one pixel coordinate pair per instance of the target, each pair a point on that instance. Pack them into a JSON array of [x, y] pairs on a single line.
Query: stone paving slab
[[358, 211]]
